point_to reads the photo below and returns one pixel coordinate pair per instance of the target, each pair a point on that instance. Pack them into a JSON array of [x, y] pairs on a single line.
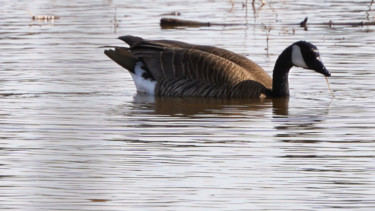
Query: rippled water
[[75, 135]]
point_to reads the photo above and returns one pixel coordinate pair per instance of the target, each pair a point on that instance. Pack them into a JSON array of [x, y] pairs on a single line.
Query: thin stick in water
[[329, 87]]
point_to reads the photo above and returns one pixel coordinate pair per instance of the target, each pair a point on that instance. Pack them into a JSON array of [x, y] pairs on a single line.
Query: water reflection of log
[[174, 22]]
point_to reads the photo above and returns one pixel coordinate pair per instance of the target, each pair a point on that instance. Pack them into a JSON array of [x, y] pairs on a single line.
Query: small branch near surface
[[268, 31], [43, 17], [331, 23], [174, 13], [362, 23], [304, 22], [115, 21], [262, 1]]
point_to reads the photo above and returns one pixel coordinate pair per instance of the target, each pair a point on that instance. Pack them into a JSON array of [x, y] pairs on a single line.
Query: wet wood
[[304, 22], [174, 22], [98, 200]]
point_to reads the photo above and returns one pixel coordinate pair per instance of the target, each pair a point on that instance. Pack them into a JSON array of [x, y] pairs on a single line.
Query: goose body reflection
[[177, 69], [192, 106]]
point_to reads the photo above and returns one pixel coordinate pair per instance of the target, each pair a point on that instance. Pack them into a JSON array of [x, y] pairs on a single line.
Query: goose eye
[[310, 56]]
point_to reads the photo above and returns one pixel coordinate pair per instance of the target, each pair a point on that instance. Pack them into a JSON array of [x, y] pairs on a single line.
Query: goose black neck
[[280, 84]]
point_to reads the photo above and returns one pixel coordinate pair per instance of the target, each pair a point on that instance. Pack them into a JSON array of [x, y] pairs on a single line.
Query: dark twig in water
[[115, 21], [304, 23], [369, 10], [268, 30]]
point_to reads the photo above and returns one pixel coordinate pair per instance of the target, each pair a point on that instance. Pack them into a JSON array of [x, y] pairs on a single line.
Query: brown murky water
[[75, 135]]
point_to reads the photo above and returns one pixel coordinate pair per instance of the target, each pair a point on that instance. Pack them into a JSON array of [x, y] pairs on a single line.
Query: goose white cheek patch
[[297, 57]]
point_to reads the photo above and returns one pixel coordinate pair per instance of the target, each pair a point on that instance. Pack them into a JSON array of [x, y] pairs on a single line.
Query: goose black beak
[[319, 67], [326, 72]]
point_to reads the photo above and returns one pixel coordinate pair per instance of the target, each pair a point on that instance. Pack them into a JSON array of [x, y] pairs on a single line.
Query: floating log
[[174, 22]]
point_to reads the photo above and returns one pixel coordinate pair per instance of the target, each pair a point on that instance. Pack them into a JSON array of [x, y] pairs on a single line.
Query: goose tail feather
[[123, 57], [131, 40]]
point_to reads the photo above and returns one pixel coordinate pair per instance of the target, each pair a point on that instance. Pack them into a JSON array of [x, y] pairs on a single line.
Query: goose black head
[[306, 55]]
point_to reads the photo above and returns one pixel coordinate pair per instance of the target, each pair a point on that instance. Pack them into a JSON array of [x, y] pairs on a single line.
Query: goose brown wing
[[190, 64], [257, 73]]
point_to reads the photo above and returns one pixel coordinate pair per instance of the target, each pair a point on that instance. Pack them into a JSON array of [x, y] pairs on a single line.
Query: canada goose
[[177, 69]]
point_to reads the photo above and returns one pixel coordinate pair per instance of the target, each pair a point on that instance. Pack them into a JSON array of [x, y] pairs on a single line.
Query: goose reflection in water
[[195, 106]]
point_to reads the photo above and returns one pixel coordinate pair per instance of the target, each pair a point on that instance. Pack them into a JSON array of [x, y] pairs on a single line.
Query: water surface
[[75, 135]]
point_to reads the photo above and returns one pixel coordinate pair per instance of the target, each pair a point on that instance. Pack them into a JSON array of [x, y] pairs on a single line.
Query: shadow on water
[[194, 106]]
